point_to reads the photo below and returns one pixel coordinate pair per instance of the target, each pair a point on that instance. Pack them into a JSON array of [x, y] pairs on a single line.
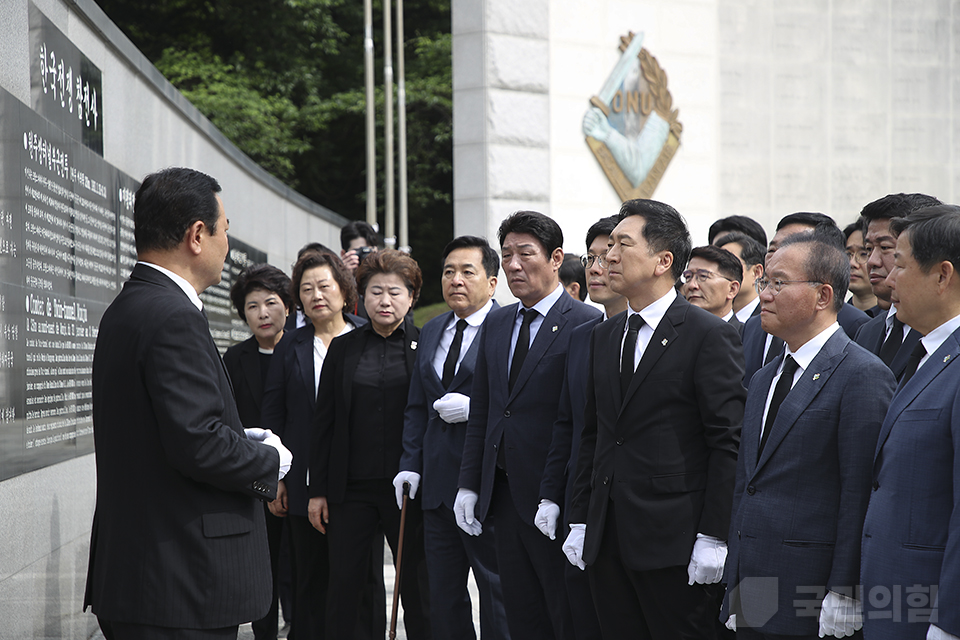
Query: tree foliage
[[283, 80]]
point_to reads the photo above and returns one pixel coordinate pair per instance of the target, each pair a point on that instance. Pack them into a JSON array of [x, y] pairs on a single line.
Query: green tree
[[283, 80]]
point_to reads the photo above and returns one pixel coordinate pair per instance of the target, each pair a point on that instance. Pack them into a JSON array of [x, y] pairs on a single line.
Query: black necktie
[[784, 384], [915, 357], [450, 364], [890, 346], [629, 350], [523, 345]]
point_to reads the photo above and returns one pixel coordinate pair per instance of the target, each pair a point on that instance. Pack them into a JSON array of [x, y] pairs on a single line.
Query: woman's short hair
[[264, 277], [391, 261], [310, 259]]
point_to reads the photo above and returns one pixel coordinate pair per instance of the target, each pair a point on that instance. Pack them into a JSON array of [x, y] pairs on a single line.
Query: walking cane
[[399, 567]]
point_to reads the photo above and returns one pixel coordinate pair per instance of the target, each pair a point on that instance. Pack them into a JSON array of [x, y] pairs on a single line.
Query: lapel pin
[[664, 343], [946, 358], [413, 345], [555, 327], [816, 376]]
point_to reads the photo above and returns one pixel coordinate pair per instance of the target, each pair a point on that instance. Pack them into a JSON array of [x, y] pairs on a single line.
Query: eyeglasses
[[778, 284], [588, 260], [701, 276], [860, 256]]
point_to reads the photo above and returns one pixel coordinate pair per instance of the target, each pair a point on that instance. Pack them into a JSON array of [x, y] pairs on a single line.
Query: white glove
[[453, 408], [936, 633], [546, 518], [731, 622], [573, 545], [840, 615], [267, 437], [463, 508], [706, 561], [411, 477]]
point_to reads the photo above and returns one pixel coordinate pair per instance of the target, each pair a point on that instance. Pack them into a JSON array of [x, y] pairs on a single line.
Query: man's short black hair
[[168, 202], [895, 205], [358, 229], [751, 251], [571, 270], [853, 226], [934, 235], [741, 224], [260, 277], [806, 218], [602, 227], [664, 230], [728, 265], [544, 228], [490, 260], [826, 262]]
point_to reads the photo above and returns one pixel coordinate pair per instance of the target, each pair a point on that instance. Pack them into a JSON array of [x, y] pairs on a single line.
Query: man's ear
[[193, 236]]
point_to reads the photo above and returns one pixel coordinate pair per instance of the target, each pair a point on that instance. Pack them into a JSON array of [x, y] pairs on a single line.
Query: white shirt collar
[[476, 318], [805, 354], [744, 314], [653, 313], [180, 282], [933, 340], [543, 306], [727, 317]]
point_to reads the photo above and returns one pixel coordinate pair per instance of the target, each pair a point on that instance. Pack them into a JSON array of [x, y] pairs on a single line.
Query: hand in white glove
[[546, 518], [936, 633], [840, 615], [411, 477], [453, 408], [267, 437], [573, 545], [706, 561], [731, 622], [463, 509]]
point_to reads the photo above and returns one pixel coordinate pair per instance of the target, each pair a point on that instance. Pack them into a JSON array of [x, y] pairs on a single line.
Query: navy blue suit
[[521, 420], [871, 334], [434, 449], [561, 470], [911, 536], [798, 509], [754, 338]]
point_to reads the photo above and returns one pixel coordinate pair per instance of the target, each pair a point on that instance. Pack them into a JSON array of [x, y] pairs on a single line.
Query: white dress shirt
[[474, 322], [180, 282], [933, 340], [543, 308], [652, 314]]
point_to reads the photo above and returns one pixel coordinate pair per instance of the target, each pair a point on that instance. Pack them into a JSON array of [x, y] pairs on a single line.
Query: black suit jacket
[[330, 451], [178, 534], [870, 336], [523, 418], [242, 361], [431, 447], [666, 454]]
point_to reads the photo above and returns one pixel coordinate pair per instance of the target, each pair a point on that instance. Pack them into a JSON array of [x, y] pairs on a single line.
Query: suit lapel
[[429, 344], [942, 358], [549, 329], [903, 354], [662, 339], [756, 403], [303, 349], [807, 388]]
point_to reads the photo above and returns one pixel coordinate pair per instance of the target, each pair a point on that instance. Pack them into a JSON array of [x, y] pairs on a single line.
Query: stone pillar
[[501, 112]]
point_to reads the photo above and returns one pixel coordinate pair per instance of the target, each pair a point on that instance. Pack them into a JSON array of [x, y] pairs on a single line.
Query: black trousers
[[531, 573], [266, 627], [310, 577], [128, 631], [354, 523], [649, 605]]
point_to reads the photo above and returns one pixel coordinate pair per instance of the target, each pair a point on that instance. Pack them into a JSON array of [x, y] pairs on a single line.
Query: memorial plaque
[[66, 87]]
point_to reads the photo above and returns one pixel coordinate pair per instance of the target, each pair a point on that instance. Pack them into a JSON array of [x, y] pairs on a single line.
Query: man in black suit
[[885, 335], [556, 487], [178, 540], [759, 347], [751, 254], [652, 500], [519, 372], [435, 425], [712, 281]]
